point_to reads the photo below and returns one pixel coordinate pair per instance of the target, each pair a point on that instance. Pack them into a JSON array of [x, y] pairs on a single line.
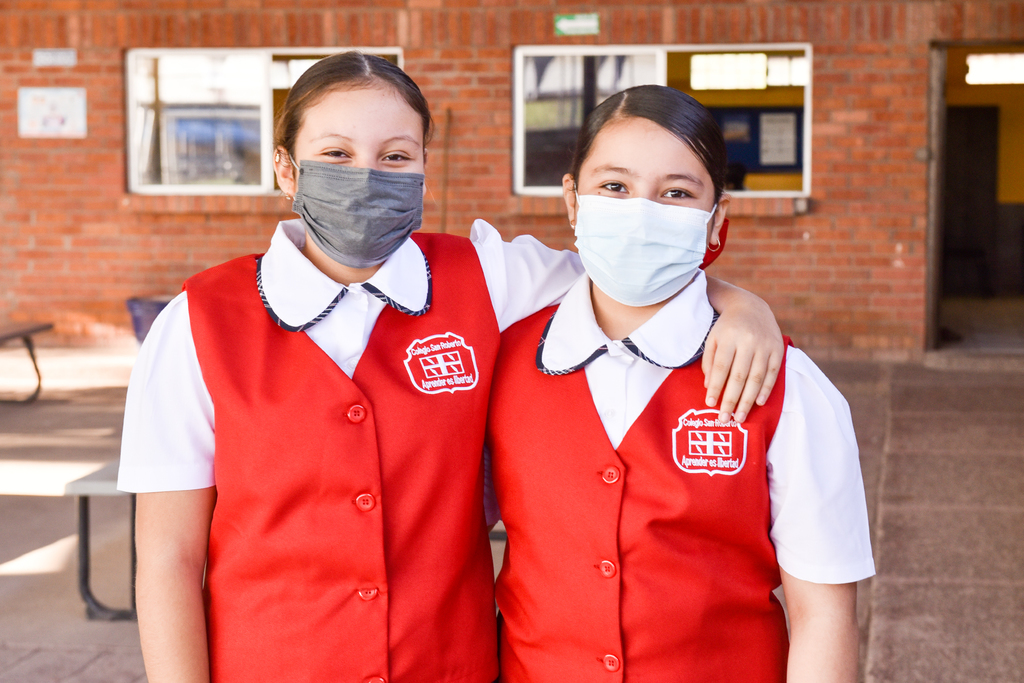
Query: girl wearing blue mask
[[304, 428], [646, 535]]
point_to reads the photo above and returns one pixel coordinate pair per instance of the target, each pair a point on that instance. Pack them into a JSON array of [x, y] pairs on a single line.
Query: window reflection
[[198, 119], [559, 92]]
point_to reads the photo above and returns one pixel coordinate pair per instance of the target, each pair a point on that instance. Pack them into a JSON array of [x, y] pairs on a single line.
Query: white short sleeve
[[819, 514], [167, 442], [523, 276]]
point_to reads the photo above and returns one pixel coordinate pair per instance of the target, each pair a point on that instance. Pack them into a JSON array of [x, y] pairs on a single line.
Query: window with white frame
[[201, 121], [759, 94]]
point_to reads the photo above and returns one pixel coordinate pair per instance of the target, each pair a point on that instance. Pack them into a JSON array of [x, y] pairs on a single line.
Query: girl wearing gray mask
[[304, 428]]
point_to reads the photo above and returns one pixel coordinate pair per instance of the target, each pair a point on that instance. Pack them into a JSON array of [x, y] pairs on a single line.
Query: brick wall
[[846, 278]]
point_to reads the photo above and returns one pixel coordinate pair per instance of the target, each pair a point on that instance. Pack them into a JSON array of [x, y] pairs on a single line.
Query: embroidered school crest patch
[[441, 362], [703, 444]]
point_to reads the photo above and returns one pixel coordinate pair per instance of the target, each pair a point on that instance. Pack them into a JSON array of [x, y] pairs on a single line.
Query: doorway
[[978, 257]]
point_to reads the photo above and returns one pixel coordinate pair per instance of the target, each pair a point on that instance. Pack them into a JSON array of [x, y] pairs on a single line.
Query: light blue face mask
[[358, 216], [637, 251]]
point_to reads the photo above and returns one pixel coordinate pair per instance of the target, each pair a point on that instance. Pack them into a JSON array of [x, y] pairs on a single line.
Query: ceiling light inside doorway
[[995, 69]]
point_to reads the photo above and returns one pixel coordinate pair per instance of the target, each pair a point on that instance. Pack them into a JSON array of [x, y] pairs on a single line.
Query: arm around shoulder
[[743, 352], [523, 276]]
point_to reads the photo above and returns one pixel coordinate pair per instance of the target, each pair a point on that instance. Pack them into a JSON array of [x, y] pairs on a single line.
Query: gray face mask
[[358, 216]]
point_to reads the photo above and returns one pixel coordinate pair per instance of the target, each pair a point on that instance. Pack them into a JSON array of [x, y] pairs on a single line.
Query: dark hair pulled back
[[340, 71], [673, 110]]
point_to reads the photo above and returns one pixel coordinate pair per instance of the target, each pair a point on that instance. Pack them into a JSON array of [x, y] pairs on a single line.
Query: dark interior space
[[982, 305]]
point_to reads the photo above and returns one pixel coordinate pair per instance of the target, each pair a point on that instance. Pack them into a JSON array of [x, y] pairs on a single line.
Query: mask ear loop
[[572, 224], [277, 158], [713, 210]]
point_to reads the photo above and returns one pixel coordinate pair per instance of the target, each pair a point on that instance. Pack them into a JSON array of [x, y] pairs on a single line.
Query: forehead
[[372, 111], [643, 146]]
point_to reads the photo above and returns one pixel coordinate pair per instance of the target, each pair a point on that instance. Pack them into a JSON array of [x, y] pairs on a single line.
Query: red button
[[377, 679], [611, 662], [357, 413], [367, 593], [610, 475], [607, 568], [365, 502]]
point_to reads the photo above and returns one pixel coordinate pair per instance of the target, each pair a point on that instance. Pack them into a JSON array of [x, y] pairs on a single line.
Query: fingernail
[[710, 402], [740, 417]]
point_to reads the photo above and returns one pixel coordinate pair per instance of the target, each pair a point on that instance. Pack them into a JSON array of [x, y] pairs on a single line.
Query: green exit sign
[[577, 24]]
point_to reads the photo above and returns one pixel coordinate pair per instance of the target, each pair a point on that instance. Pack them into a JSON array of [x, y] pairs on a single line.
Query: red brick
[[840, 290]]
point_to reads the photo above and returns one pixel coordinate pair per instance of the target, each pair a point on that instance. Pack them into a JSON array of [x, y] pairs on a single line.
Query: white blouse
[[819, 520], [168, 438]]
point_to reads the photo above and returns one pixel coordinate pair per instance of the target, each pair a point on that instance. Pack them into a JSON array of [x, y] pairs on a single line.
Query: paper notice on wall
[[778, 139], [51, 113], [66, 57]]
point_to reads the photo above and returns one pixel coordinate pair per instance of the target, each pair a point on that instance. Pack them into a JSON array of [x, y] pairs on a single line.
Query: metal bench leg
[[94, 609], [39, 375]]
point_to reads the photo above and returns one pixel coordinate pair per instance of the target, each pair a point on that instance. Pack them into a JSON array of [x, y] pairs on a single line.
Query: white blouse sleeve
[[167, 442], [523, 276], [818, 510]]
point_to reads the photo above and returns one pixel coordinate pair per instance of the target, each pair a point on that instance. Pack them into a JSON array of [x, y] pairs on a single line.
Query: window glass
[[558, 92], [758, 99], [759, 94], [200, 122], [199, 119]]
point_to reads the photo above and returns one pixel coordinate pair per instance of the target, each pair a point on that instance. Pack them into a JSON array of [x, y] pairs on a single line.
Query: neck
[[617, 320], [338, 272]]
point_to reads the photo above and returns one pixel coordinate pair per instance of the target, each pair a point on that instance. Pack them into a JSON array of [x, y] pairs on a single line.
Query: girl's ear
[[569, 195], [285, 172], [716, 226]]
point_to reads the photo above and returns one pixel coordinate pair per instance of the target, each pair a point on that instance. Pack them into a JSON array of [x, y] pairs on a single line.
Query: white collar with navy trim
[[671, 338], [298, 292]]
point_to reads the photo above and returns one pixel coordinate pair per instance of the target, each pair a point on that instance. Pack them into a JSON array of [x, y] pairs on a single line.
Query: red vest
[[647, 563], [348, 539]]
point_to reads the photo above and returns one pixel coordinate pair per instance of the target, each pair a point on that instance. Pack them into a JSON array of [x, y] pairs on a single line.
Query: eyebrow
[[406, 138], [672, 176], [685, 176], [614, 169]]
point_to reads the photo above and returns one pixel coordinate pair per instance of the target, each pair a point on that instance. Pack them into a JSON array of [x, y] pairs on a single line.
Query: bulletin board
[[763, 139]]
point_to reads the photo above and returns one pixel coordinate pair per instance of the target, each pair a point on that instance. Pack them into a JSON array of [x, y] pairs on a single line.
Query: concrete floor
[[991, 324], [943, 460]]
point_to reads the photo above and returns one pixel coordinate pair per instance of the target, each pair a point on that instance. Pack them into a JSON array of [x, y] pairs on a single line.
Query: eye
[[614, 187], [397, 157], [677, 193], [336, 154]]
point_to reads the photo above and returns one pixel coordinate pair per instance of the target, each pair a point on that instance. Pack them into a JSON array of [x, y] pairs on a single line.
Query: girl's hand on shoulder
[[743, 352]]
